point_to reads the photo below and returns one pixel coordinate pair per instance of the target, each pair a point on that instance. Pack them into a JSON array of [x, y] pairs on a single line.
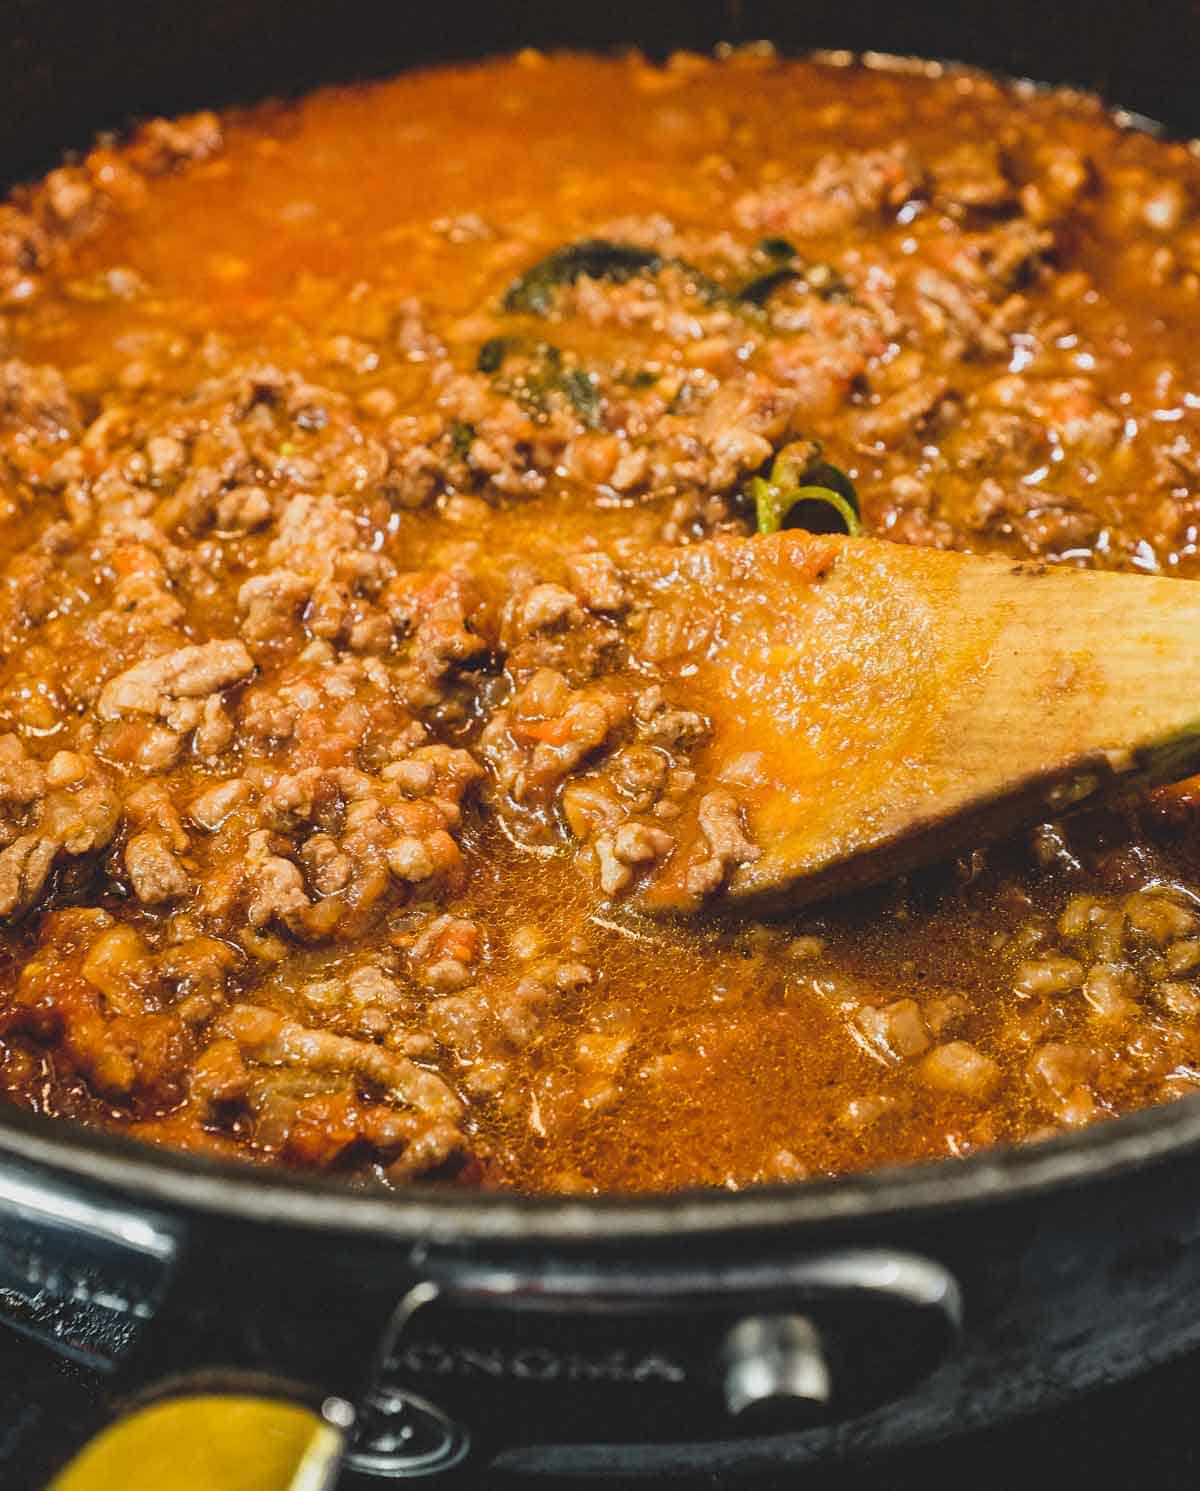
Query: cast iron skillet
[[597, 1334]]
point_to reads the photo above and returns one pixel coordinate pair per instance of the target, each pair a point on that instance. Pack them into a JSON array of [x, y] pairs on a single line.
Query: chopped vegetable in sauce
[[805, 493]]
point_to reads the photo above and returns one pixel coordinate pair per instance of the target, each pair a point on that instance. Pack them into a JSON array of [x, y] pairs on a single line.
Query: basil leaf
[[599, 259], [584, 395], [608, 259], [496, 350], [540, 375], [783, 264], [756, 291], [492, 354], [462, 436], [776, 248]]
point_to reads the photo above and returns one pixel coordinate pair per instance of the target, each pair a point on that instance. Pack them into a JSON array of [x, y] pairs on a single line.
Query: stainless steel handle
[[886, 1274], [509, 1354]]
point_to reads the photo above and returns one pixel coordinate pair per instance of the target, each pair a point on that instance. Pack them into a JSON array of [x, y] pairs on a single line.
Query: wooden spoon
[[877, 707]]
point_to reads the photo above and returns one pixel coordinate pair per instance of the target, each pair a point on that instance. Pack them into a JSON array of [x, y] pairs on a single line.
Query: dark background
[[1140, 1434], [70, 68]]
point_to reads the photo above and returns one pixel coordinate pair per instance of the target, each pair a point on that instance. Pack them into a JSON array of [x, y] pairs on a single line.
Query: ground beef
[[842, 192], [161, 685]]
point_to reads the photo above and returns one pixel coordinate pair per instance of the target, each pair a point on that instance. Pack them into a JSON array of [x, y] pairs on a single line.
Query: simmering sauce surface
[[336, 734]]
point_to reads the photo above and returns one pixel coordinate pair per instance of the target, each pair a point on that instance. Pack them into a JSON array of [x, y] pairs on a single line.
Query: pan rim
[[141, 1175]]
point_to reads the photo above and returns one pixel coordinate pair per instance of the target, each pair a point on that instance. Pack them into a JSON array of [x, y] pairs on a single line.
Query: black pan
[[699, 1332]]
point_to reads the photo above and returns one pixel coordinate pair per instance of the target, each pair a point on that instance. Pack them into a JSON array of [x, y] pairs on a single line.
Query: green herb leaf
[[757, 290], [584, 395], [497, 350], [599, 259], [607, 259], [776, 248], [639, 378], [784, 264], [538, 374], [492, 354], [461, 437]]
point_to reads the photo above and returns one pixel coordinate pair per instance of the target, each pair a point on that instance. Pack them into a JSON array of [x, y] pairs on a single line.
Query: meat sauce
[[336, 741]]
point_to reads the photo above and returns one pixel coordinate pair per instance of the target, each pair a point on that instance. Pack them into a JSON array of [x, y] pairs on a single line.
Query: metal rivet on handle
[[775, 1360], [403, 1437]]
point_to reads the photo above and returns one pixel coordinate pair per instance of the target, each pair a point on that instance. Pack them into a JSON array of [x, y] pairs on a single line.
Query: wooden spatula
[[878, 707]]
